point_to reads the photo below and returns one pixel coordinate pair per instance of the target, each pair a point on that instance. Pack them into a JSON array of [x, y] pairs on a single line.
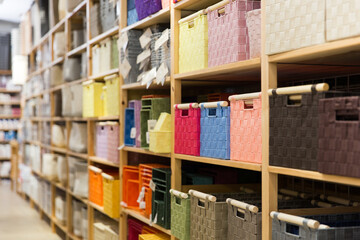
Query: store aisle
[[18, 221]]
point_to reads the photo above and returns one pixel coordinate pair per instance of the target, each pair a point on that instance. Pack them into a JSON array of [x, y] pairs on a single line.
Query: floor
[[18, 221]]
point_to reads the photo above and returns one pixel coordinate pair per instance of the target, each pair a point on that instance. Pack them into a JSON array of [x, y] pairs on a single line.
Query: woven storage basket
[[145, 8], [66, 102], [107, 141], [187, 131], [130, 53], [112, 95], [162, 54], [228, 32], [253, 23], [136, 104], [96, 59], [95, 23], [111, 196], [134, 228], [99, 231], [292, 24], [96, 186], [132, 16], [180, 215], [160, 137], [245, 131], [76, 100], [157, 236], [131, 186], [215, 132], [92, 99], [129, 125], [107, 14], [193, 44], [105, 55], [111, 233], [342, 226], [339, 136], [114, 52]]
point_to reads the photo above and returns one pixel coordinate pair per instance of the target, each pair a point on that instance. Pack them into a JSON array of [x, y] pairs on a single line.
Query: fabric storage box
[[187, 129], [160, 137], [160, 205], [145, 8], [245, 128], [215, 130], [294, 24], [130, 187], [76, 100], [60, 210], [111, 186], [151, 108], [96, 58], [339, 136], [105, 55], [107, 141], [114, 52], [95, 186], [78, 137], [180, 215], [107, 14], [72, 69], [129, 139], [95, 23], [193, 43], [253, 23], [132, 16], [128, 55], [112, 95], [92, 99], [316, 227], [228, 32]]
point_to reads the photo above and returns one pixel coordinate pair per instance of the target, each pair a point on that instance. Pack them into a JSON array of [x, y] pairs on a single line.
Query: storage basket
[[95, 25], [157, 236], [66, 102], [253, 23], [105, 102], [193, 44], [136, 104], [81, 179], [111, 233], [107, 141], [114, 52], [107, 14], [112, 95], [56, 75], [162, 54], [111, 185], [339, 136], [130, 187], [180, 215], [78, 137], [129, 125], [134, 228], [92, 99], [132, 16], [60, 210], [76, 100], [72, 69], [95, 186], [105, 55], [99, 231], [228, 33], [96, 59], [187, 130], [145, 8], [160, 137], [59, 44], [294, 24], [245, 129], [129, 53], [215, 131]]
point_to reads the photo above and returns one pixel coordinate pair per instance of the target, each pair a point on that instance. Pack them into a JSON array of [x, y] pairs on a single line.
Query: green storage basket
[[180, 215], [114, 53]]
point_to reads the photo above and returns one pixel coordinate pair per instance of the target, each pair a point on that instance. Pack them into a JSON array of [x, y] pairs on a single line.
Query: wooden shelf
[[315, 175], [77, 51], [98, 119], [137, 85], [162, 16], [59, 186], [77, 9], [221, 162], [101, 209], [79, 155], [144, 151], [143, 219], [59, 225], [57, 61], [73, 236], [58, 119], [40, 119], [104, 35], [4, 90], [105, 74], [9, 117], [5, 72], [9, 129], [55, 149], [102, 161], [194, 4], [83, 200], [10, 103]]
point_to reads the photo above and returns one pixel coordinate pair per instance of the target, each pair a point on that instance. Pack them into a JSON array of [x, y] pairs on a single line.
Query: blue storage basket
[[129, 124], [215, 132], [132, 16]]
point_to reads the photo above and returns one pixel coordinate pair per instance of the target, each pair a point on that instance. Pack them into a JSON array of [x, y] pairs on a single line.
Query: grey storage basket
[[133, 49], [161, 55]]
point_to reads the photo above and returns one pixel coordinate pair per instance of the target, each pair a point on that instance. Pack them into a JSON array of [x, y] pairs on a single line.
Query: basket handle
[[107, 176], [214, 104], [192, 16], [299, 221], [179, 194], [111, 77], [294, 193], [321, 87], [185, 106], [95, 169], [339, 200], [321, 204], [247, 96], [202, 196], [242, 205]]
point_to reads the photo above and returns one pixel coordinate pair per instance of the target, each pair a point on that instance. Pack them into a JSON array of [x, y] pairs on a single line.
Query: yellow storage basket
[[112, 95], [92, 99], [158, 236], [105, 102], [160, 137], [193, 43], [111, 195]]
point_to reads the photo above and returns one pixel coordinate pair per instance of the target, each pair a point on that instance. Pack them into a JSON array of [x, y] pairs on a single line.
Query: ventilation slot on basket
[[201, 203], [292, 229], [294, 100], [347, 115], [212, 112], [185, 113], [240, 214]]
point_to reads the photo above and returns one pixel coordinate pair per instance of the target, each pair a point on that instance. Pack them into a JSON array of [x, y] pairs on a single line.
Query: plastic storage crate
[[129, 125], [180, 215], [151, 108], [253, 22], [107, 141], [160, 209], [187, 130], [339, 136], [193, 44], [129, 54], [145, 8], [289, 27], [215, 132], [160, 137], [245, 130], [130, 187], [331, 226], [95, 186], [112, 95], [92, 99], [228, 32], [132, 16], [111, 185]]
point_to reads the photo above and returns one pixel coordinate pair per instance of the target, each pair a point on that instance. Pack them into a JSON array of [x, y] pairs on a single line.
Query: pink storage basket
[[228, 33], [107, 141], [245, 130], [253, 22], [187, 130]]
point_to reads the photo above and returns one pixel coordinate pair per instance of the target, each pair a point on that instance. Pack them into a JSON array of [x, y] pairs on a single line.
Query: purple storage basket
[[145, 8], [136, 104], [107, 141]]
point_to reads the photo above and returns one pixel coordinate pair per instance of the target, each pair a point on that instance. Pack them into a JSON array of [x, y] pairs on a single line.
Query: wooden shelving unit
[[266, 72]]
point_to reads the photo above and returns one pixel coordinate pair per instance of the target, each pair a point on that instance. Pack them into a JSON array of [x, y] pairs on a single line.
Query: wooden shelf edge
[[144, 151], [77, 50], [75, 154], [315, 175], [104, 74], [76, 9], [103, 161], [101, 209], [137, 85], [104, 35], [4, 90], [5, 72], [150, 20]]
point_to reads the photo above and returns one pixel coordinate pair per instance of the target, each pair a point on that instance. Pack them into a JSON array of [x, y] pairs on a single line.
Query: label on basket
[[121, 147], [162, 40], [161, 74], [144, 63], [151, 124], [125, 68], [147, 138], [142, 205], [145, 39], [133, 133], [123, 41], [142, 56], [149, 76], [152, 185], [124, 204]]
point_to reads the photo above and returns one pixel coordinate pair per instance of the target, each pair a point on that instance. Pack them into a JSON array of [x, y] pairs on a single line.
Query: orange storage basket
[[95, 186], [131, 186]]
